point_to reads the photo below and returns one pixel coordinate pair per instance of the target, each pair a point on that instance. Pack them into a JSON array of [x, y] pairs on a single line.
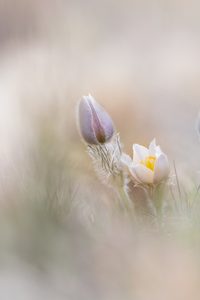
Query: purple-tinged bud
[[95, 124]]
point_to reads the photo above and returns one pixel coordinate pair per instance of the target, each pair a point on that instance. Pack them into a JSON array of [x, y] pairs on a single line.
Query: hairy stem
[[125, 201]]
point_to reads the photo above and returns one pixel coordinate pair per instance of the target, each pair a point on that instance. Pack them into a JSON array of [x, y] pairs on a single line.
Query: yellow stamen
[[149, 162]]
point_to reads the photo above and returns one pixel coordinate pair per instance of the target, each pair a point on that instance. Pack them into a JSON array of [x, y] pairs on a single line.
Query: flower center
[[149, 162]]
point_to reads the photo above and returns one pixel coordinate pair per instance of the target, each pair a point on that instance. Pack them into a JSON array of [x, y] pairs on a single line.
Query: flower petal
[[139, 153], [161, 168], [126, 159], [103, 118], [142, 174], [85, 122], [152, 148], [158, 151]]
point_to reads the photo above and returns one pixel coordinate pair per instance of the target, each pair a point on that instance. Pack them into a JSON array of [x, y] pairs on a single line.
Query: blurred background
[[140, 60]]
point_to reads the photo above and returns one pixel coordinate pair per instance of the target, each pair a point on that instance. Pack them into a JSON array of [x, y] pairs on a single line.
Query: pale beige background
[[138, 58]]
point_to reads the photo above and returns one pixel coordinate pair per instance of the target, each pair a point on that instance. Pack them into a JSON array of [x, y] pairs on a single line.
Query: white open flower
[[149, 165]]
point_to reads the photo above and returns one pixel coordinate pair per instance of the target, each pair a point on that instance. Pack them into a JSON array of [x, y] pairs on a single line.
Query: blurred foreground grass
[[62, 236]]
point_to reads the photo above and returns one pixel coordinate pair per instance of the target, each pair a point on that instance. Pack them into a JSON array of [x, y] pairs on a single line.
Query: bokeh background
[[140, 59]]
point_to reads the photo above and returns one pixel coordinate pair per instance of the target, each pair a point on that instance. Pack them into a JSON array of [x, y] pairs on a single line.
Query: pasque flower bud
[[95, 124]]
